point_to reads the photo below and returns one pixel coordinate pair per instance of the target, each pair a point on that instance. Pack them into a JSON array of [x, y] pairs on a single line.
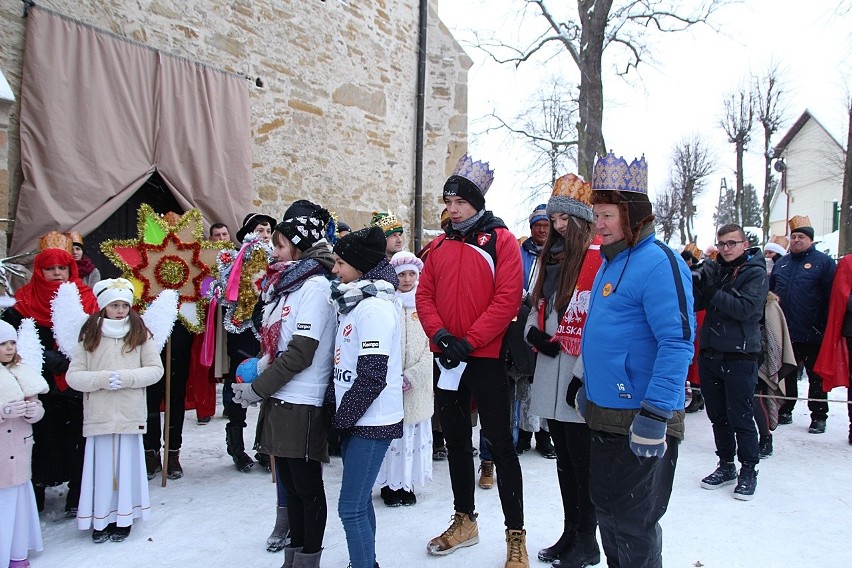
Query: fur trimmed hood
[[18, 382]]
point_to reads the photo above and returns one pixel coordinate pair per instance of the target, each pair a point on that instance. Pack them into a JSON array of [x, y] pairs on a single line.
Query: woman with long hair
[[565, 273]]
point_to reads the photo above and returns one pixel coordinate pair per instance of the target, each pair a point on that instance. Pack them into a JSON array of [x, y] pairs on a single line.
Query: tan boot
[[516, 549], [486, 474], [463, 531]]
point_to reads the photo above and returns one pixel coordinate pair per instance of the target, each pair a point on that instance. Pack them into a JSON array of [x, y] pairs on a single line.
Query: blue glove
[[648, 432], [247, 371]]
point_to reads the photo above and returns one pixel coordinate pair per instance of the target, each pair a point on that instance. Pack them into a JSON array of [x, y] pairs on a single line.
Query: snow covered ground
[[218, 517]]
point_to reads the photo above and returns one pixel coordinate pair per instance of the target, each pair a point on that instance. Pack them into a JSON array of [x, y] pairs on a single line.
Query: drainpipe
[[421, 118]]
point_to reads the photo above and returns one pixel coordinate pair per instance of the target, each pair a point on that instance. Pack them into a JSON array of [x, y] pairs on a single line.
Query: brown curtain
[[100, 114]]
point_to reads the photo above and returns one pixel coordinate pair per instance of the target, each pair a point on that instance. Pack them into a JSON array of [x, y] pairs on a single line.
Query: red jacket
[[472, 286], [832, 364]]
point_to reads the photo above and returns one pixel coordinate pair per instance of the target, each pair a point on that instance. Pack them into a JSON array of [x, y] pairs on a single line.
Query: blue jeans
[[362, 459]]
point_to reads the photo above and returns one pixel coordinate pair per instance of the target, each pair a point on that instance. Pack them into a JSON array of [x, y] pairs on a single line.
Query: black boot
[[696, 404], [585, 552], [524, 439], [543, 445], [236, 447], [765, 446], [565, 541]]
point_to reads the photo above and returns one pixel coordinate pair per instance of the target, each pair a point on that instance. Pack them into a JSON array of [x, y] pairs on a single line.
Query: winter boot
[[725, 474], [406, 498], [785, 417], [289, 555], [817, 426], [565, 541], [524, 439], [765, 446], [543, 445], [119, 534], [264, 460], [302, 560], [390, 497], [236, 447], [486, 474], [516, 549], [280, 536], [696, 404], [463, 531], [585, 552], [153, 463], [173, 468], [746, 483], [102, 535]]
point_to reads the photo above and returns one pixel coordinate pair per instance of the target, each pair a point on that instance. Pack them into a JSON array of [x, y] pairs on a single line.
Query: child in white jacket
[[408, 461], [115, 360], [20, 407]]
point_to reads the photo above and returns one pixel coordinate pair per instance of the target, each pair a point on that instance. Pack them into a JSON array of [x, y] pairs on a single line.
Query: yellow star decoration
[[168, 253]]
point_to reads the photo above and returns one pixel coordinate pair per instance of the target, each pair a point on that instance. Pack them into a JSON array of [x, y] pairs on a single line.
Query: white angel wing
[[68, 317], [29, 347], [160, 316]]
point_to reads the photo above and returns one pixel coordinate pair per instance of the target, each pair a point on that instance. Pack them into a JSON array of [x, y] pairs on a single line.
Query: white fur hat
[[404, 260], [7, 332], [113, 289], [776, 248]]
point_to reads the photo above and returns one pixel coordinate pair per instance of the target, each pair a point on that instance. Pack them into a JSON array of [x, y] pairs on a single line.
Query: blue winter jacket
[[529, 256], [637, 342], [803, 283]]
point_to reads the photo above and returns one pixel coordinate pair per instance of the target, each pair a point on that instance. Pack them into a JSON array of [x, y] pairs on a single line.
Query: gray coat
[[552, 376]]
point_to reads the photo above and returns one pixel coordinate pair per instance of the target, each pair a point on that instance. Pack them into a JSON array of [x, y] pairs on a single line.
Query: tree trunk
[[593, 18], [767, 189], [845, 241], [739, 201]]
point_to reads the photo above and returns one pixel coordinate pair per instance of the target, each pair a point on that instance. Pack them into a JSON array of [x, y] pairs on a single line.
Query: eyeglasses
[[728, 244]]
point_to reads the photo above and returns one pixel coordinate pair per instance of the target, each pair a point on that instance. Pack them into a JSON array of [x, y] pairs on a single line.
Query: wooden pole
[[167, 416]]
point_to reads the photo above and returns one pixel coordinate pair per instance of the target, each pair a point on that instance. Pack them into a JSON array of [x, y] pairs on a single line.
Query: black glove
[[454, 348], [447, 363], [55, 362], [541, 341], [571, 394]]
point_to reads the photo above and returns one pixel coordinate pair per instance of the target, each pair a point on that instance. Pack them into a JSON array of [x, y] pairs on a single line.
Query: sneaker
[[102, 535], [785, 418], [243, 462], [406, 498], [725, 474], [746, 483], [119, 534], [765, 446], [817, 427], [486, 474], [390, 497], [153, 463], [173, 467], [462, 531], [516, 549], [439, 453]]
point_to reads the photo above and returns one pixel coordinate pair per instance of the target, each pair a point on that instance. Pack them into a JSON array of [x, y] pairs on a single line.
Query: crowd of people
[[589, 335]]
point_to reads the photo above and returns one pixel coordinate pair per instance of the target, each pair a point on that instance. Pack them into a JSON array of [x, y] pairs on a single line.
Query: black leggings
[[306, 505], [572, 442]]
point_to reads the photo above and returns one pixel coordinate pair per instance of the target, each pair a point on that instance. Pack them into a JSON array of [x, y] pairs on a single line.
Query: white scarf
[[116, 329], [407, 298], [18, 382]]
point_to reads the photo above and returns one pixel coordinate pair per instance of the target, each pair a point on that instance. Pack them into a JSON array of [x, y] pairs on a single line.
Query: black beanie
[[466, 189], [809, 231], [305, 231], [363, 249], [250, 223], [300, 208]]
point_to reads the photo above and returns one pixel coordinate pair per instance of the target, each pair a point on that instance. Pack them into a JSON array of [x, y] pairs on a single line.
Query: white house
[[811, 162]]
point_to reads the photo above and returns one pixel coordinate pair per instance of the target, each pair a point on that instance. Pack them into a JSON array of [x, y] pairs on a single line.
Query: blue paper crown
[[477, 172], [613, 174]]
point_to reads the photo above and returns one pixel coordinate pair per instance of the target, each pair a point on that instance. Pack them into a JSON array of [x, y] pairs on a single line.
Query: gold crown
[[780, 240], [692, 249], [387, 222], [55, 240], [798, 221], [573, 187], [75, 237]]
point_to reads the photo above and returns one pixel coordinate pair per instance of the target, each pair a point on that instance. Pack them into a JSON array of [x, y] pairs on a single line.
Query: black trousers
[[728, 389], [631, 494], [806, 355], [573, 444], [486, 381], [156, 393], [306, 504]]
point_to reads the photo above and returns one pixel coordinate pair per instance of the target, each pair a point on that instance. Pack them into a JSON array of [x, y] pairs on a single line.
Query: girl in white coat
[[115, 360], [408, 461], [20, 386]]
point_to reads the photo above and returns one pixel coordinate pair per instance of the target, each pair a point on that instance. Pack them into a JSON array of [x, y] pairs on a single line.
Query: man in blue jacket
[[732, 291], [637, 346], [802, 280]]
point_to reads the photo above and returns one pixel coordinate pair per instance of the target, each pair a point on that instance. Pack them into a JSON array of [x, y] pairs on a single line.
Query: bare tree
[[548, 129], [768, 92], [738, 122], [585, 35], [692, 162], [845, 241], [667, 212]]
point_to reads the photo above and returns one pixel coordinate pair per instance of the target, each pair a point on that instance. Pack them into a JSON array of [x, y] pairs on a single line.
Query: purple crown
[[613, 174], [477, 172]]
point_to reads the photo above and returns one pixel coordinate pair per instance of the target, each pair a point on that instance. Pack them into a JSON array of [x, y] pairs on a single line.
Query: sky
[[676, 94], [218, 517]]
